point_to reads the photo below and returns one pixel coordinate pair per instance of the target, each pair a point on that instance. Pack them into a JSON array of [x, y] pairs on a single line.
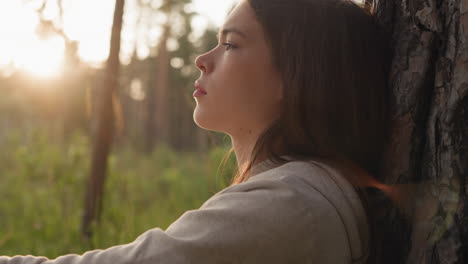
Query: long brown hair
[[334, 59]]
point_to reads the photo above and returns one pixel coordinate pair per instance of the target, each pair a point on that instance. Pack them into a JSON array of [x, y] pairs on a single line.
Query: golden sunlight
[[22, 49], [41, 58]]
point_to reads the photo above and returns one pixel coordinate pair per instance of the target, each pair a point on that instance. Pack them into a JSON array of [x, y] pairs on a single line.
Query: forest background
[[99, 144], [54, 61]]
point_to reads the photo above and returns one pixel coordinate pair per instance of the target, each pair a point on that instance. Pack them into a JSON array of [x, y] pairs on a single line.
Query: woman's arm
[[262, 221]]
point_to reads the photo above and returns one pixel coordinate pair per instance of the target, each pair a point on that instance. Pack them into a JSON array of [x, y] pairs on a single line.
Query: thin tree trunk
[[162, 88], [157, 123], [104, 133], [150, 126], [429, 143]]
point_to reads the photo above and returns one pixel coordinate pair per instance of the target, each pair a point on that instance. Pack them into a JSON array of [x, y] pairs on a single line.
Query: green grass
[[42, 188]]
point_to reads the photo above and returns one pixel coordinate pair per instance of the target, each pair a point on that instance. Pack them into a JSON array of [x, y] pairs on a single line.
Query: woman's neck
[[243, 144]]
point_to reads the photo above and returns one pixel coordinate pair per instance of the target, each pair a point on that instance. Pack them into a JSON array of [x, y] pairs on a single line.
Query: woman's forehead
[[241, 20]]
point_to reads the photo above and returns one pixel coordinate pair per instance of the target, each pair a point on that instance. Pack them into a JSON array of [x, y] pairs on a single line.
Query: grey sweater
[[298, 212]]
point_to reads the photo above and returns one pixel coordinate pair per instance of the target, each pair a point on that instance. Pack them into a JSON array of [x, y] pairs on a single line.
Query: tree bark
[[429, 142], [104, 133]]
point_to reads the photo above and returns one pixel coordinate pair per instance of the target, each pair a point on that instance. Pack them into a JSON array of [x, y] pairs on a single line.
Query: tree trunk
[[157, 126], [429, 142], [103, 135], [162, 88], [150, 124]]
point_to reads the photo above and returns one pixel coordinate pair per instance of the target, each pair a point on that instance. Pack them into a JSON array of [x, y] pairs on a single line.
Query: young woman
[[301, 88]]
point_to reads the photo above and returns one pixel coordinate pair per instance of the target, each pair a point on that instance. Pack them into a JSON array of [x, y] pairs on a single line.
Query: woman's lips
[[199, 91]]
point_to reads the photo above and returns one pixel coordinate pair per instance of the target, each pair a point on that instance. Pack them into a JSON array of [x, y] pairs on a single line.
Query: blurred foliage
[[44, 137], [42, 185]]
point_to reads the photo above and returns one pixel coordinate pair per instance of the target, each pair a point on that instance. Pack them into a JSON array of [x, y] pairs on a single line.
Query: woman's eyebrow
[[226, 31]]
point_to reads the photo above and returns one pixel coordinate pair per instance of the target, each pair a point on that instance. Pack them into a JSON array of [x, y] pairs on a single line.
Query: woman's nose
[[203, 63]]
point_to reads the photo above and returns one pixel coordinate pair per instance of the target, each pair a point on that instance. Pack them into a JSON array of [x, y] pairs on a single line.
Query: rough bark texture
[[429, 143]]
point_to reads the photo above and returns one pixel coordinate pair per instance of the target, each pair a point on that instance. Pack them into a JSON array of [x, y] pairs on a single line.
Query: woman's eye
[[228, 46]]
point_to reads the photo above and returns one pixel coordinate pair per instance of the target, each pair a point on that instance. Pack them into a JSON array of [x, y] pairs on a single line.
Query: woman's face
[[243, 88]]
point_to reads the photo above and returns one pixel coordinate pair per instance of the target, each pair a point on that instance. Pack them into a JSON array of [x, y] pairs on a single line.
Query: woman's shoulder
[[318, 184], [308, 174]]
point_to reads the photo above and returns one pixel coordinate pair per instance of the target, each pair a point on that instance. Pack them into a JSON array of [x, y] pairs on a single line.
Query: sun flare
[[88, 22], [41, 58], [21, 48]]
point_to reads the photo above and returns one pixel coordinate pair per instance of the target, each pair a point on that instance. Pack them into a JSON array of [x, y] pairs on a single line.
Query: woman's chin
[[203, 120]]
